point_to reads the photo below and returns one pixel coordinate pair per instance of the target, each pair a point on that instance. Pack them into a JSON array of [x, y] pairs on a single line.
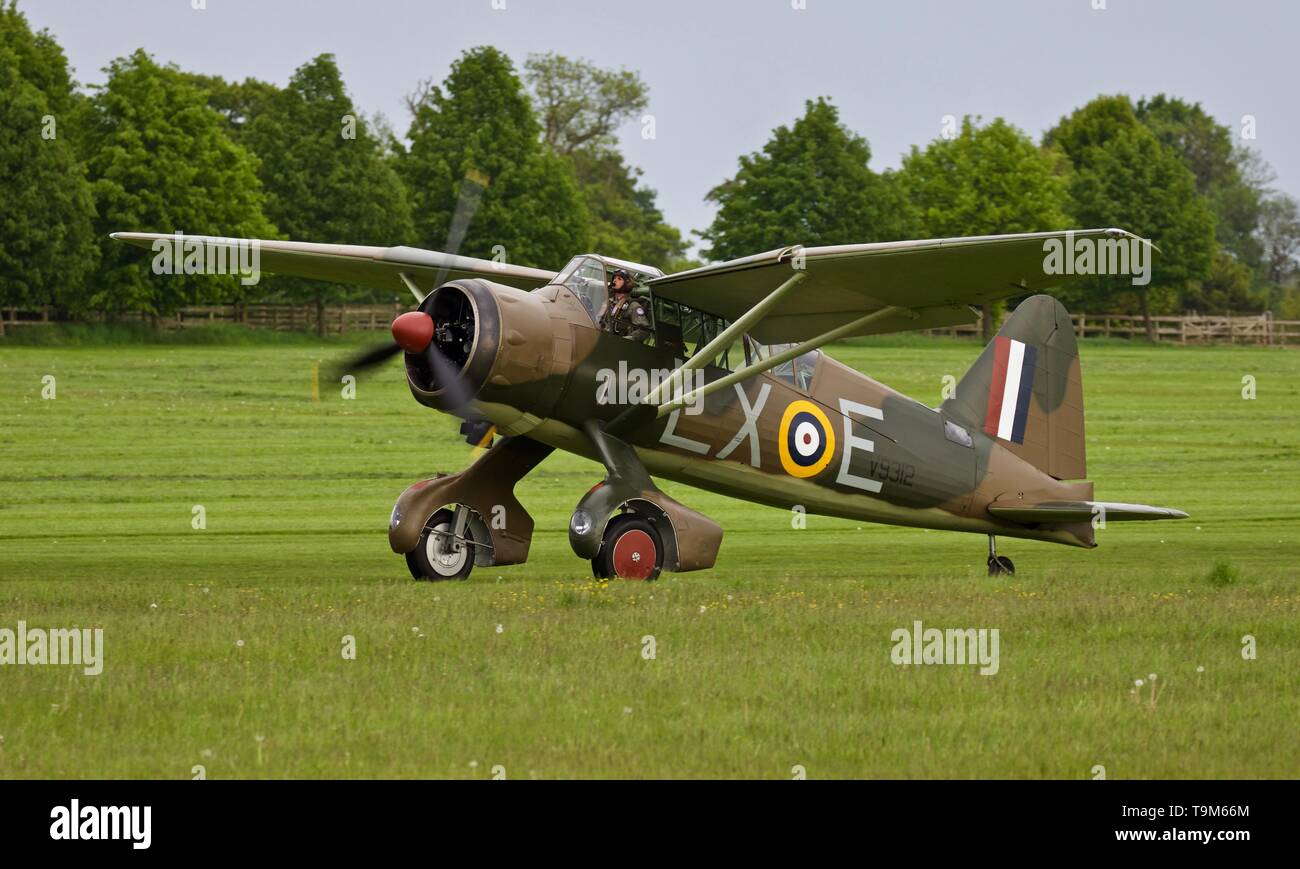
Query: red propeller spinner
[[413, 331]]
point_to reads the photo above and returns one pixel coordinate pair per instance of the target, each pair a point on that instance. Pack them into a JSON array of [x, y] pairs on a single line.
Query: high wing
[[930, 283], [381, 268]]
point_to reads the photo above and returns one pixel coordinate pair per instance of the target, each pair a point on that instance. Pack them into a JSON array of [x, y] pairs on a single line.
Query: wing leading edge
[[380, 268]]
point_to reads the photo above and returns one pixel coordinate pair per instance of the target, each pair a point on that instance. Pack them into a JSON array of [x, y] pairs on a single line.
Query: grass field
[[223, 645]]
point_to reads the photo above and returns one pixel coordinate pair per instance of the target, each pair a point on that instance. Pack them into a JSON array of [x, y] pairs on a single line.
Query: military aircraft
[[730, 393]]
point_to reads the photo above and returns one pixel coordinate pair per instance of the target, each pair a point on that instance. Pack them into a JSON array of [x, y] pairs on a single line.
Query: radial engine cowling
[[497, 340]]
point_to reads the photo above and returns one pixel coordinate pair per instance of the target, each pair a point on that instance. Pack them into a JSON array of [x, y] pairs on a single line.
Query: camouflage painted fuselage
[[846, 446]]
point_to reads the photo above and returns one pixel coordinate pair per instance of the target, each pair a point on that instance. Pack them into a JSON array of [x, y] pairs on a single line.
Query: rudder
[[1026, 390]]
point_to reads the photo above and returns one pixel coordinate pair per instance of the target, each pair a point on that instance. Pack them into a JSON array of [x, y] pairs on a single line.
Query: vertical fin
[[1026, 390]]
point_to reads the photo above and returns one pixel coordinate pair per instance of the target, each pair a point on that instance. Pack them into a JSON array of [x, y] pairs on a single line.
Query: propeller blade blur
[[367, 359]]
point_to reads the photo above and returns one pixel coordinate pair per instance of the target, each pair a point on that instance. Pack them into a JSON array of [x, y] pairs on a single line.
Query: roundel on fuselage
[[807, 441]]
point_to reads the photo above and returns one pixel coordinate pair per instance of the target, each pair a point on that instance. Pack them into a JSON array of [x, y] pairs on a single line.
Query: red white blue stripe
[[1011, 389]]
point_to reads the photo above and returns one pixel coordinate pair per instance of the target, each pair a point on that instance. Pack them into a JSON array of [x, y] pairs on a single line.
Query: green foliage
[[580, 105], [535, 175], [985, 181], [41, 62], [478, 131], [1123, 176], [625, 221], [1227, 288], [46, 247], [236, 101], [1205, 147], [809, 185], [1279, 237], [161, 160], [325, 175]]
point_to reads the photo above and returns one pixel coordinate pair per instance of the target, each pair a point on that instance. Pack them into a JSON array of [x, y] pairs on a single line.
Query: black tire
[[419, 560], [603, 565], [1000, 565]]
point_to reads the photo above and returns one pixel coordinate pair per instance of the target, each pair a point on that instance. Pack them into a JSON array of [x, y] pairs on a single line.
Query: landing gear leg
[[999, 565], [648, 531]]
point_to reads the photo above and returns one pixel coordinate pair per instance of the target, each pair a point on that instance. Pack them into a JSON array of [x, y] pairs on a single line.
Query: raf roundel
[[807, 441]]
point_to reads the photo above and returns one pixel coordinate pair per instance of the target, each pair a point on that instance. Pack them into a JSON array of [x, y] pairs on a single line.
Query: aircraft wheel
[[439, 555], [630, 549], [1000, 565]]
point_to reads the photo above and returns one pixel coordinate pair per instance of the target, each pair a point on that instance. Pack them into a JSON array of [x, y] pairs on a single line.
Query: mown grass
[[778, 657]]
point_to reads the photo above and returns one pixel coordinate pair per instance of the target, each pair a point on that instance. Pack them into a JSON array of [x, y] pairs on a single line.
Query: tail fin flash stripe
[[1010, 389], [1026, 389], [997, 388]]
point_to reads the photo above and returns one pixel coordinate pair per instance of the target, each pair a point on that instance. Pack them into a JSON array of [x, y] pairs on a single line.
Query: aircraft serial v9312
[[722, 386]]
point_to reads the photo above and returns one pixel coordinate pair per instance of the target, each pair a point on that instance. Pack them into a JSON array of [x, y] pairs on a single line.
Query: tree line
[[524, 165], [1161, 168], [157, 148]]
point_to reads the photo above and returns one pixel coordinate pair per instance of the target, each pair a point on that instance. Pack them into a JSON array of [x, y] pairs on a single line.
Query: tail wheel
[[630, 549], [440, 554], [1000, 565]]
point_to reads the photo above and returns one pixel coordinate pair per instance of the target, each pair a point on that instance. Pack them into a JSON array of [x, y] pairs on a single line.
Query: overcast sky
[[723, 73]]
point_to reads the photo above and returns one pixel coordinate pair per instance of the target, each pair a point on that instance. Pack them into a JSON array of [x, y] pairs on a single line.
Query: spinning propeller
[[416, 332]]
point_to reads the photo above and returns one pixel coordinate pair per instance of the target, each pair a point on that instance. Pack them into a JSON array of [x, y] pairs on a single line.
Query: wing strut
[[410, 285], [725, 338], [779, 358]]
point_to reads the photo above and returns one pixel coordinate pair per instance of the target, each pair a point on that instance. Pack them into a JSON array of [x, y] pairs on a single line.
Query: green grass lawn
[[223, 646]]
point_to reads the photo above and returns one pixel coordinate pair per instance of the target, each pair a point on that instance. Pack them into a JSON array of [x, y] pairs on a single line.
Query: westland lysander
[[523, 353]]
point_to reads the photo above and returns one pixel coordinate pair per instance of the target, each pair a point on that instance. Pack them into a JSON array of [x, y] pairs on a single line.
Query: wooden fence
[[1194, 329], [1254, 329], [337, 318]]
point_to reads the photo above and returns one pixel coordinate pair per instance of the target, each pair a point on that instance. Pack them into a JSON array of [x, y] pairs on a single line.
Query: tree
[[987, 180], [624, 219], [1206, 148], [41, 62], [1123, 176], [46, 246], [324, 173], [581, 105], [160, 159], [1279, 238], [809, 185], [239, 102], [475, 139], [46, 243], [1226, 288]]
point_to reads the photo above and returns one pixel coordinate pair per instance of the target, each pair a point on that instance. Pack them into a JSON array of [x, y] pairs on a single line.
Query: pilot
[[623, 314]]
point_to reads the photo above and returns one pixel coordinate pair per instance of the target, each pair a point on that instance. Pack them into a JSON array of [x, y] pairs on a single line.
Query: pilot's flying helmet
[[625, 275]]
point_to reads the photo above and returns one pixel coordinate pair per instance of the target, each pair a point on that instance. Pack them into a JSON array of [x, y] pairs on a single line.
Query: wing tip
[[139, 239], [1118, 232]]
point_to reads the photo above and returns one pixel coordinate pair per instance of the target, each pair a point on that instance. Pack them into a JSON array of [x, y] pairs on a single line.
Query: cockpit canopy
[[587, 277], [674, 325]]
